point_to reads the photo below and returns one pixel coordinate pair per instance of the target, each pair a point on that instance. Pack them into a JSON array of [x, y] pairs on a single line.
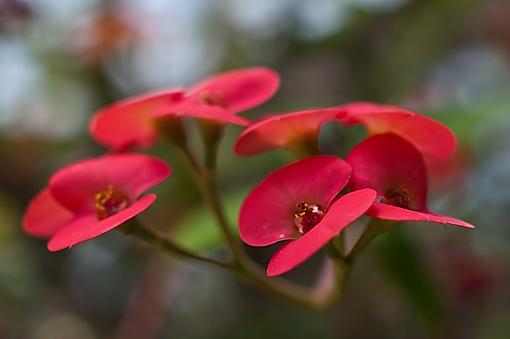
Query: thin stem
[[211, 195], [374, 228], [247, 272], [205, 181], [167, 245], [293, 293], [339, 272]]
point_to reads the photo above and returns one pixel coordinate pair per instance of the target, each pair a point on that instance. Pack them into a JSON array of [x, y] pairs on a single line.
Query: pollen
[[212, 98], [306, 216], [109, 202]]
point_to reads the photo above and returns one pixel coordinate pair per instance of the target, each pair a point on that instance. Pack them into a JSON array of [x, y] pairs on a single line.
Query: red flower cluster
[[388, 166], [301, 202], [133, 122], [93, 196]]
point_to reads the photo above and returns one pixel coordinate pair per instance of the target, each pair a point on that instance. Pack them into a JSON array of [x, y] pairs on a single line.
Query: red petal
[[88, 226], [128, 122], [239, 90], [282, 130], [389, 212], [76, 185], [267, 214], [387, 162], [44, 215], [207, 112], [342, 213], [429, 136]]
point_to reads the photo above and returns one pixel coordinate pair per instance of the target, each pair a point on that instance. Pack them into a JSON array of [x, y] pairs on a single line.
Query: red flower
[[234, 91], [429, 136], [289, 130], [395, 169], [131, 122], [298, 202], [91, 197]]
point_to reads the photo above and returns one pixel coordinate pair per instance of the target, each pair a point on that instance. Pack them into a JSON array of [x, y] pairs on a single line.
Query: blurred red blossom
[[293, 131], [101, 33], [134, 122], [429, 136], [14, 13], [91, 197]]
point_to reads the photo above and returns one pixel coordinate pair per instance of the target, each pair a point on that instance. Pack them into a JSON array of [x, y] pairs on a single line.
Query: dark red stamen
[[110, 202], [306, 216], [396, 197]]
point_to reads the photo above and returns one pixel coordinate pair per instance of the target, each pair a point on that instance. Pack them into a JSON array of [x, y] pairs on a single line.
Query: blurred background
[[62, 60]]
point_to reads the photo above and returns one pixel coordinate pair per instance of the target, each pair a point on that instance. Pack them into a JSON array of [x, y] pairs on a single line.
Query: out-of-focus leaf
[[403, 264], [497, 326], [463, 120], [19, 278], [199, 230]]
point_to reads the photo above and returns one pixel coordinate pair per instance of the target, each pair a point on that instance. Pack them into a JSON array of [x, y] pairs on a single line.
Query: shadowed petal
[[280, 131], [237, 90], [207, 112], [387, 162], [267, 214], [389, 212], [429, 136], [341, 214], [87, 226], [44, 215], [128, 123]]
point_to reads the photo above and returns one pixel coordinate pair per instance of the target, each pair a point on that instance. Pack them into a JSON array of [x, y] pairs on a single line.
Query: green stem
[[205, 181], [293, 293], [342, 272], [167, 245], [375, 227], [247, 272]]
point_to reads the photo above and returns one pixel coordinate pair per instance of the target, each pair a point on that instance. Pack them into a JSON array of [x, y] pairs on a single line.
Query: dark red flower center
[[306, 216], [396, 197], [212, 98], [110, 202]]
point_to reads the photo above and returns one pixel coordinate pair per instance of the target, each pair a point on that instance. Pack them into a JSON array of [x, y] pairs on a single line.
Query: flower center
[[396, 197], [110, 202], [306, 216], [213, 99]]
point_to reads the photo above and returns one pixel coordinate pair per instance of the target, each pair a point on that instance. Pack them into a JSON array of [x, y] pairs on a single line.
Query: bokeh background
[[62, 60]]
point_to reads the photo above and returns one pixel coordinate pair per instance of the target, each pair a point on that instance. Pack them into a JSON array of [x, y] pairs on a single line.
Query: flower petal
[[87, 226], [342, 213], [238, 90], [387, 162], [389, 212], [283, 130], [429, 136], [267, 214], [44, 215], [128, 123], [75, 186], [207, 112]]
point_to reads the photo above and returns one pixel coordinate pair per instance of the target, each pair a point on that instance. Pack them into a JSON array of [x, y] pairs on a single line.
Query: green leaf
[[199, 230]]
